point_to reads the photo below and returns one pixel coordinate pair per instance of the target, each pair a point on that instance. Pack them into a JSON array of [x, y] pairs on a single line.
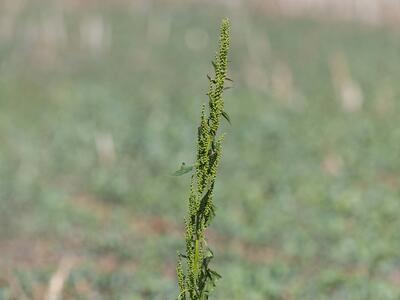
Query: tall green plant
[[195, 277]]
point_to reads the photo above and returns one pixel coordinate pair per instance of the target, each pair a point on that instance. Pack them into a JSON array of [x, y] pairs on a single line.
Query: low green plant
[[195, 277]]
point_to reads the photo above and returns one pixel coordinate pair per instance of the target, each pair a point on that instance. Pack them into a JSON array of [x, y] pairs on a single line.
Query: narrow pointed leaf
[[183, 170], [215, 273], [210, 79], [226, 116]]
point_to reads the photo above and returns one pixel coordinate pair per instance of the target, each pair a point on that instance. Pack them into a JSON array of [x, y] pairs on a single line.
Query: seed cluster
[[195, 278]]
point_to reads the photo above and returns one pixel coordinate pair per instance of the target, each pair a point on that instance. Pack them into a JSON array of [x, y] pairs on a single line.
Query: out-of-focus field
[[99, 105]]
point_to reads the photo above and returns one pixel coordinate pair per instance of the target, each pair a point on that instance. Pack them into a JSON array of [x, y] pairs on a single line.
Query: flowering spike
[[198, 280]]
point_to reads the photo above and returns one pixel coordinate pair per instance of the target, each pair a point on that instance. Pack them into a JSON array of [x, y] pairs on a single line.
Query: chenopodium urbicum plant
[[196, 279]]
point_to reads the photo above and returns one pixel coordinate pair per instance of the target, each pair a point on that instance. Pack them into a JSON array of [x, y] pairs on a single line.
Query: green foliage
[[196, 280], [183, 170]]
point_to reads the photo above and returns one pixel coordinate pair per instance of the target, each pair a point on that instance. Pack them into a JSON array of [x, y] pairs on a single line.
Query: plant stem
[[196, 280]]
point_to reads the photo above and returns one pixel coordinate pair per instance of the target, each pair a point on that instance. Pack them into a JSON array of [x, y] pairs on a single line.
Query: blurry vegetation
[[99, 103]]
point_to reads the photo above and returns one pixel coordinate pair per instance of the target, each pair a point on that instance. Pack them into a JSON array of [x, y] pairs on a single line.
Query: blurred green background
[[99, 103]]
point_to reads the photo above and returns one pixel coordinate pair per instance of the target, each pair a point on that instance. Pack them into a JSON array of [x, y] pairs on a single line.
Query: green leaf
[[226, 116], [183, 170], [214, 273], [210, 79]]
